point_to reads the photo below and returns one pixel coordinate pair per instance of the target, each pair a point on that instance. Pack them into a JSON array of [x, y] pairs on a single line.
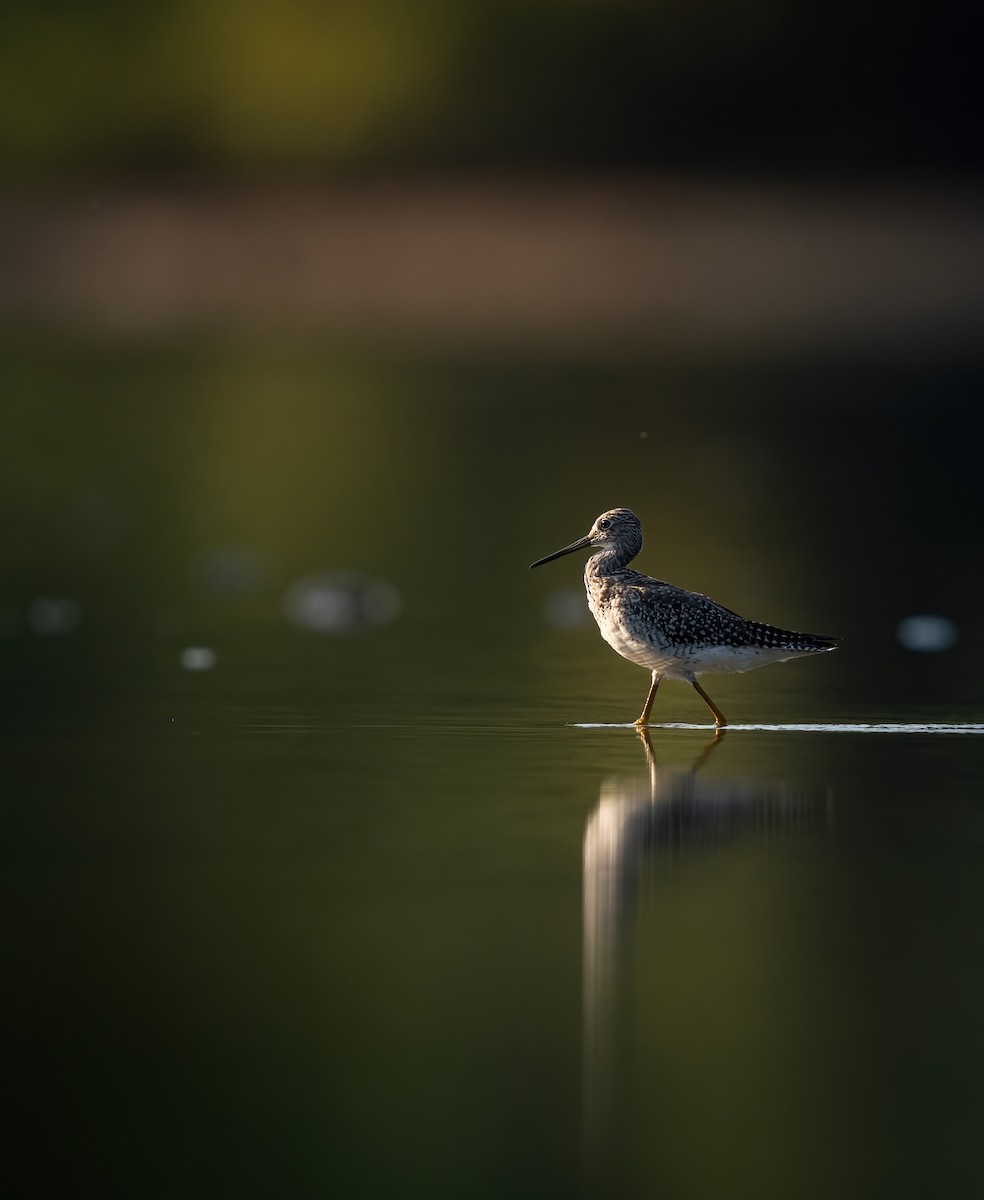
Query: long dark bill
[[580, 544]]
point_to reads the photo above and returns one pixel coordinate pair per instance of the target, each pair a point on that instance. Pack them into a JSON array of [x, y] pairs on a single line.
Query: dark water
[[393, 908]]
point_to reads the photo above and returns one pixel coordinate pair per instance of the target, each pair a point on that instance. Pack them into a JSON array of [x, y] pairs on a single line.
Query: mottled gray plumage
[[673, 633]]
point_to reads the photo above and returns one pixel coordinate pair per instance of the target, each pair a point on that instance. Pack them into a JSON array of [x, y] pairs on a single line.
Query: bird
[[671, 632]]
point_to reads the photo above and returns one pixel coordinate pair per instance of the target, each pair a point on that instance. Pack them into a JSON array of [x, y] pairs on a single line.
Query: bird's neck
[[610, 560]]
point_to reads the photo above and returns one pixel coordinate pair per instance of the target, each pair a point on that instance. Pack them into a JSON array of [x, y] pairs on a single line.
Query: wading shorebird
[[673, 633]]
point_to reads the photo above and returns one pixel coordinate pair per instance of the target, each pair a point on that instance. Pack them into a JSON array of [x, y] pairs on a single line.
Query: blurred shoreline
[[628, 265]]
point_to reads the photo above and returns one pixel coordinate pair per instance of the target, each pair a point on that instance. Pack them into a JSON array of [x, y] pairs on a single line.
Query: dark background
[[864, 90]]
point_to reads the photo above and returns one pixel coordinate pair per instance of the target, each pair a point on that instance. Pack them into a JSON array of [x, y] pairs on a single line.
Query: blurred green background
[[257, 86], [174, 498]]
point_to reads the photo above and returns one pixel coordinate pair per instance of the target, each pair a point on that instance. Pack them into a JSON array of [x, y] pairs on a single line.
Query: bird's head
[[617, 530]]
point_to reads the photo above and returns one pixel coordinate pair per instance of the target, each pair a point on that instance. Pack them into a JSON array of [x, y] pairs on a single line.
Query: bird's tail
[[769, 637]]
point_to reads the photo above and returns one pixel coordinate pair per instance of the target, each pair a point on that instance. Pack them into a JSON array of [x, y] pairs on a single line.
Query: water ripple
[[958, 727]]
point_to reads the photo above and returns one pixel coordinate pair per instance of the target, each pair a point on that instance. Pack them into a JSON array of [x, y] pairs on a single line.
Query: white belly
[[684, 662]]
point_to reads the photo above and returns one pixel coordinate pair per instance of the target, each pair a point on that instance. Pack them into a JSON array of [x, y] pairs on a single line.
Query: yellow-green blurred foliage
[[272, 84]]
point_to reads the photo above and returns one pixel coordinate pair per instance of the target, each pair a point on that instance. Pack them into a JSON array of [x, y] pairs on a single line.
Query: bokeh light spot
[[230, 570], [566, 608], [337, 601], [927, 633], [53, 615], [198, 658]]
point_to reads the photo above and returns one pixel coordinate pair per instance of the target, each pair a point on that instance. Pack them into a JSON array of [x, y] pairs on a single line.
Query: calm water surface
[[262, 948], [396, 907]]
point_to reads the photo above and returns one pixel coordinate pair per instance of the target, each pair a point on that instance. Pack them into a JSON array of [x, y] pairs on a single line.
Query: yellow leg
[[719, 718], [643, 719]]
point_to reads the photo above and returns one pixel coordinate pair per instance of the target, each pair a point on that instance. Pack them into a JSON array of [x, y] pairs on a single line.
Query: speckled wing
[[668, 629], [670, 616]]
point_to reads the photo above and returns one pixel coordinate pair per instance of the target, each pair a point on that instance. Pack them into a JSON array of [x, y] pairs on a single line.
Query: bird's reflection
[[638, 819]]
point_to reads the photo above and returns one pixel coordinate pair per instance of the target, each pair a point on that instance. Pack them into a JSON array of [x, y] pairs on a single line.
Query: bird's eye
[[604, 524]]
